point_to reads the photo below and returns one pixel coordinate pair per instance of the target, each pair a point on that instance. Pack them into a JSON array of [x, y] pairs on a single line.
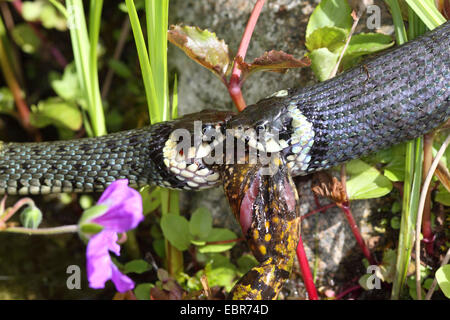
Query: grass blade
[[427, 12], [147, 74]]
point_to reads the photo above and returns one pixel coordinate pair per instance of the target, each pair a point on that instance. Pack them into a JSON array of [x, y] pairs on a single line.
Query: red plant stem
[[306, 271], [234, 86], [321, 209], [347, 291], [354, 227], [427, 231]]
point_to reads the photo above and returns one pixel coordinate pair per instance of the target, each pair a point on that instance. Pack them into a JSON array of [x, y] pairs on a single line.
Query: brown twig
[[205, 285]]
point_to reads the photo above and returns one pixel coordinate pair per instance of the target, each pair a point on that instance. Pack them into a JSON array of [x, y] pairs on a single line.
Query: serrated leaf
[[202, 46], [200, 224], [332, 38], [137, 266], [219, 234], [365, 181], [274, 61], [57, 112], [25, 38], [330, 13], [323, 62], [176, 229]]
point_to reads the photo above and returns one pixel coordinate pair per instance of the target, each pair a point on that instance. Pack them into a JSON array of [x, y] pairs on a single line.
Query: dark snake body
[[392, 98]]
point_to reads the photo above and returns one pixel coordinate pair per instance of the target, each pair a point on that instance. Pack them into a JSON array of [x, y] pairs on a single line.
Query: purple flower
[[124, 212]]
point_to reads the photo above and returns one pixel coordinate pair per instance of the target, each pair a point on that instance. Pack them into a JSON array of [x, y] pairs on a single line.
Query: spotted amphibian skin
[[267, 208]]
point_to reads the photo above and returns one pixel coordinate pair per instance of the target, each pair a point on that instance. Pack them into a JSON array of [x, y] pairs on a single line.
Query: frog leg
[[267, 208]]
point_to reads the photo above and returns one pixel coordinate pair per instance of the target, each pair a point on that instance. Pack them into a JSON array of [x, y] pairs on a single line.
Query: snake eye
[[260, 127]]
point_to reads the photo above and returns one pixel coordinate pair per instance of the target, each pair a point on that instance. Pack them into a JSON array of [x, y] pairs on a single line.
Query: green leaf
[[203, 47], [332, 38], [31, 10], [120, 68], [219, 234], [323, 62], [395, 222], [443, 196], [45, 13], [159, 246], [363, 280], [151, 199], [6, 101], [387, 267], [363, 44], [51, 18], [395, 170], [54, 111], [246, 262], [200, 224], [427, 12], [67, 87], [396, 207], [31, 217], [25, 38], [142, 291], [365, 181], [330, 13], [220, 272], [427, 283], [137, 266], [176, 229]]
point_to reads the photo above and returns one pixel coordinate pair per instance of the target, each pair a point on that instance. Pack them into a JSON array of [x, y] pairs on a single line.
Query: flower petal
[[98, 259], [124, 207], [121, 281]]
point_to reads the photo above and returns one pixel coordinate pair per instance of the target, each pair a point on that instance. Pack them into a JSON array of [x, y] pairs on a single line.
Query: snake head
[[264, 125]]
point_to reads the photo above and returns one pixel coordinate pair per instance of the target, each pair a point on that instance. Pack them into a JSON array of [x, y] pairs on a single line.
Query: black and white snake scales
[[393, 97]]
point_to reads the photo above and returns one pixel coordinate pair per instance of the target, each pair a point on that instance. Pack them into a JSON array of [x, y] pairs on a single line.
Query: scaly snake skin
[[392, 98]]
